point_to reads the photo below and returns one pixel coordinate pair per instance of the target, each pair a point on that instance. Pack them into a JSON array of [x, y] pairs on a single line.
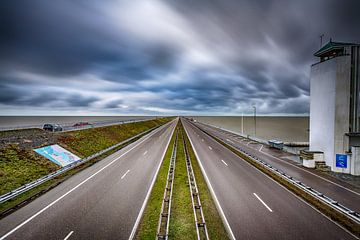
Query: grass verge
[[332, 213], [34, 165]]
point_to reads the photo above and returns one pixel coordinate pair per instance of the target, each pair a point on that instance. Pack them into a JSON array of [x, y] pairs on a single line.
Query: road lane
[[339, 191], [235, 185], [103, 205]]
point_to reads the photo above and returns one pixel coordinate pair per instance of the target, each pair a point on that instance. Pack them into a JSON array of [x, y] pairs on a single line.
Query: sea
[[287, 129], [13, 122], [283, 128]]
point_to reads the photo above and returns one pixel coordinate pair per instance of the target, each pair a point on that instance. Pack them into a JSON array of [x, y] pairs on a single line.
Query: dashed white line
[[67, 236], [74, 188], [224, 162], [262, 202], [261, 147], [125, 174], [210, 148], [145, 153], [202, 139]]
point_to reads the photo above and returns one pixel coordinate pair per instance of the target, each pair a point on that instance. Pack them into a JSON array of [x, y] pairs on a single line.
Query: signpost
[[341, 160]]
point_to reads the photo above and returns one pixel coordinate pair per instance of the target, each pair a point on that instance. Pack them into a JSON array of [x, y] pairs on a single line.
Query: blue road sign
[[341, 160]]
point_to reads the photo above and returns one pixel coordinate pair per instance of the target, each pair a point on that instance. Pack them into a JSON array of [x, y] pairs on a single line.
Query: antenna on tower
[[321, 39]]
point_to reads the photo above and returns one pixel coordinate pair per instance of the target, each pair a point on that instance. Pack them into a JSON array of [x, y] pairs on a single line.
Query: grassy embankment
[[182, 225], [19, 166]]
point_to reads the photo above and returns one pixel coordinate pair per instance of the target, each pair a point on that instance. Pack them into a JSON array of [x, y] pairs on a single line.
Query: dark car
[[52, 127], [81, 124]]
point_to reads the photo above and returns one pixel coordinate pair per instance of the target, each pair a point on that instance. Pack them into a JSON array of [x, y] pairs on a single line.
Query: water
[[287, 129], [38, 121]]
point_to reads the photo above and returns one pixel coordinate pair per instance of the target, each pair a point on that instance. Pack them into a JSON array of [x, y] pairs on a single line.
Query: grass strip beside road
[[150, 219], [91, 140], [19, 201]]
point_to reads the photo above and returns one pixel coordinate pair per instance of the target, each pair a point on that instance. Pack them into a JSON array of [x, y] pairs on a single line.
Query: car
[[81, 124], [52, 127]]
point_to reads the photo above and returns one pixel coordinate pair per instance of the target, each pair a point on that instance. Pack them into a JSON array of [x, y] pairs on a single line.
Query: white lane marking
[[145, 153], [210, 148], [262, 202], [202, 139], [132, 234], [224, 162], [67, 236], [261, 147], [125, 174], [302, 200], [217, 203], [327, 180], [74, 188]]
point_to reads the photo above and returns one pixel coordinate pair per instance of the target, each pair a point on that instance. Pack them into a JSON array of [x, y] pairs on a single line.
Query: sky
[[169, 57]]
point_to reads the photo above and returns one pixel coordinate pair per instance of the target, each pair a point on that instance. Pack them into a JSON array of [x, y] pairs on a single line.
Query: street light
[[254, 119]]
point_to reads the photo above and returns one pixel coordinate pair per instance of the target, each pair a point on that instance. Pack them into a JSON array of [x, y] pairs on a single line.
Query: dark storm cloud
[[151, 57]]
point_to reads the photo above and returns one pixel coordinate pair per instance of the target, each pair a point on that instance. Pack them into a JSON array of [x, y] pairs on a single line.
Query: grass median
[[182, 223]]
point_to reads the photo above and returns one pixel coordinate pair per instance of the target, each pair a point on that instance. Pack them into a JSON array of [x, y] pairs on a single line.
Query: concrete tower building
[[335, 106]]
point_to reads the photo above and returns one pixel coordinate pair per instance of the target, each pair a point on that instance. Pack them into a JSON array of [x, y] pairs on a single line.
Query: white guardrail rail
[[24, 188], [318, 195]]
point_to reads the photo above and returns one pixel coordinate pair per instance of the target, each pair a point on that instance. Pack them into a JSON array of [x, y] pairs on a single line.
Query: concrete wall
[[322, 108], [342, 109], [329, 108]]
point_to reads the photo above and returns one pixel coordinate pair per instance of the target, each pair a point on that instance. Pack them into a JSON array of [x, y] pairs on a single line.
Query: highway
[[103, 201], [337, 190], [254, 205]]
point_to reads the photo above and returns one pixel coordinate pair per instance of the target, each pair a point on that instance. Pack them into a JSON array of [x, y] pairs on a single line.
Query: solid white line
[[74, 188], [224, 162], [210, 148], [125, 174], [137, 222], [262, 202], [67, 236], [145, 153], [217, 203], [300, 199], [327, 180]]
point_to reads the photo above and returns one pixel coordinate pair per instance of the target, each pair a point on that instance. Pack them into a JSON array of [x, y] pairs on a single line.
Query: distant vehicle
[[276, 144], [81, 124], [52, 127]]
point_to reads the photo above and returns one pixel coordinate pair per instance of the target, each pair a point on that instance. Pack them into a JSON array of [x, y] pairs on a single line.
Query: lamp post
[[242, 123], [254, 120]]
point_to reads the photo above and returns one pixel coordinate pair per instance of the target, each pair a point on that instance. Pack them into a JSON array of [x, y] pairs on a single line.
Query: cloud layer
[[165, 57]]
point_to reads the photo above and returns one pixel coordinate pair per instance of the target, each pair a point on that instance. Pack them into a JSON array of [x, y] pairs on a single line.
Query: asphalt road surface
[[101, 202], [254, 205], [337, 190]]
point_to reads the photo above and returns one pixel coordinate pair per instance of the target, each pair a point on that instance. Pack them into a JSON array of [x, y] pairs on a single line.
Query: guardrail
[[314, 193], [164, 219], [201, 228], [10, 195]]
